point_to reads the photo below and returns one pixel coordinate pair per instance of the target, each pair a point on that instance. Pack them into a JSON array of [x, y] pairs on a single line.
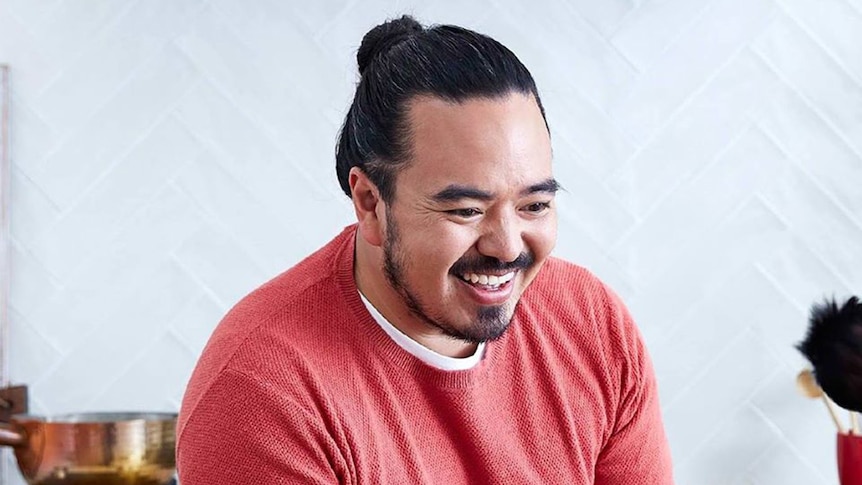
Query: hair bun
[[383, 37]]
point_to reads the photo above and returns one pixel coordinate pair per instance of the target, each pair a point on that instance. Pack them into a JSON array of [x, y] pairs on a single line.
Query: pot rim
[[97, 417]]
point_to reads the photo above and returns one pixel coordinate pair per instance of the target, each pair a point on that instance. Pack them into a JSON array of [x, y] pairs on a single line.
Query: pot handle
[[11, 435], [13, 400]]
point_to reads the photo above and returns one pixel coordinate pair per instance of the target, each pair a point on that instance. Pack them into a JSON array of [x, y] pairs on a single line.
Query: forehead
[[491, 143]]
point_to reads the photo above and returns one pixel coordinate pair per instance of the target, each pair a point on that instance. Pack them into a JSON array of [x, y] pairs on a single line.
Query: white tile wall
[[171, 155]]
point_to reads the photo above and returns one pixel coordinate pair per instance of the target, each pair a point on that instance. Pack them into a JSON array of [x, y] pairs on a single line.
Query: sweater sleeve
[[637, 452], [241, 432]]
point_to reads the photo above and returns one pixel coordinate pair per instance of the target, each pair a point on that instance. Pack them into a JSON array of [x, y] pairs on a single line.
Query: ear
[[368, 205]]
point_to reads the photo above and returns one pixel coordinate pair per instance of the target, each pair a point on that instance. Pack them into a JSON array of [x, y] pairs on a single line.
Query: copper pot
[[93, 448]]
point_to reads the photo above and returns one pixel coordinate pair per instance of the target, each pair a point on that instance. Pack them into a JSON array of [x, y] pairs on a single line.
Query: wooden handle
[[831, 408]]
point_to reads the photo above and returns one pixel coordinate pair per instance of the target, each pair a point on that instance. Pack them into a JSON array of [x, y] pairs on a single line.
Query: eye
[[538, 207], [465, 213]]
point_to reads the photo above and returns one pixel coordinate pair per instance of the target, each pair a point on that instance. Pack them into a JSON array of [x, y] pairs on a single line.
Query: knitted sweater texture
[[299, 384]]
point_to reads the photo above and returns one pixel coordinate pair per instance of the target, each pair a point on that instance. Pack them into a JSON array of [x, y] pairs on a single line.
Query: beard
[[489, 323]]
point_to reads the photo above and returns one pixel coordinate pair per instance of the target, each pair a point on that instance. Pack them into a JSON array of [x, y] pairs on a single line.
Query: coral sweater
[[299, 384]]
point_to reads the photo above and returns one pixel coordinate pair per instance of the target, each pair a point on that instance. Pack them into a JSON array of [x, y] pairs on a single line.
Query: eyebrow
[[550, 186], [455, 192]]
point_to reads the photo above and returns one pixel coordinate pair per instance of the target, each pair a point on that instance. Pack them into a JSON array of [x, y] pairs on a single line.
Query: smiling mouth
[[487, 281]]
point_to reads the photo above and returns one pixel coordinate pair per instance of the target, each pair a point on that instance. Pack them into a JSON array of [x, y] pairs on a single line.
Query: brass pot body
[[94, 448]]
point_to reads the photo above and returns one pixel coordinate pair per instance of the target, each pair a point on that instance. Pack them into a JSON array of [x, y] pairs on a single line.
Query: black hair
[[400, 60], [833, 345]]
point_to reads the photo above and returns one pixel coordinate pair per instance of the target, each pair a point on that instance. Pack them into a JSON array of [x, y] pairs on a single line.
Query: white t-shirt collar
[[421, 352]]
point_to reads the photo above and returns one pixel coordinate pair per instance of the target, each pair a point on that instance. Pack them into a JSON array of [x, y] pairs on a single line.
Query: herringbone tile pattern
[[170, 155]]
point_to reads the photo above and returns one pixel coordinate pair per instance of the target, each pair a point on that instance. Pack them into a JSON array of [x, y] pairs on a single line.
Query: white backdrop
[[171, 155]]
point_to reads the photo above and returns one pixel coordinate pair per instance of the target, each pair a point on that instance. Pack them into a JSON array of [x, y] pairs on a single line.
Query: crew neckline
[[382, 344], [421, 352]]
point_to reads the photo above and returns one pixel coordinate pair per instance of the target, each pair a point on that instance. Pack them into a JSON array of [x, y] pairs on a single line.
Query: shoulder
[[575, 305], [279, 296], [568, 288], [289, 301], [271, 334], [585, 321]]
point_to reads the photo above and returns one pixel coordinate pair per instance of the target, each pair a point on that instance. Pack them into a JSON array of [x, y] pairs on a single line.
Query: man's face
[[473, 217]]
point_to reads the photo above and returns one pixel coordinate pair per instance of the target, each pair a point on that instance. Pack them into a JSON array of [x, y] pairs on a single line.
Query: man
[[435, 341]]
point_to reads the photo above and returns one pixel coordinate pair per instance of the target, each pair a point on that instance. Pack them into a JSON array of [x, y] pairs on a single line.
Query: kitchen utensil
[[93, 448], [808, 386], [832, 344]]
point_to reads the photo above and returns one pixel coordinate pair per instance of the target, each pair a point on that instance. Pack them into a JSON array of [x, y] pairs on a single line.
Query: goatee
[[490, 322]]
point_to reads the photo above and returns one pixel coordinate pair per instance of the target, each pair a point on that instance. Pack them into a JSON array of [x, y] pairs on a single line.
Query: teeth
[[489, 280]]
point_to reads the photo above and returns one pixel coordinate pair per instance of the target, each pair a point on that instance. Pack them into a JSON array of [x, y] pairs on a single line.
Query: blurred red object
[[850, 459]]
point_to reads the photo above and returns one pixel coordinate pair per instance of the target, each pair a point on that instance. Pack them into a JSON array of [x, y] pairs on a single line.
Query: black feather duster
[[834, 347]]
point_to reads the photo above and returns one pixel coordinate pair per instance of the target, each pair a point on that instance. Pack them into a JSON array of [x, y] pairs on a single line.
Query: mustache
[[488, 264]]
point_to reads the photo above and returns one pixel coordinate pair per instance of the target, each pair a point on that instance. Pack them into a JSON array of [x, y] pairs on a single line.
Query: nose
[[501, 238]]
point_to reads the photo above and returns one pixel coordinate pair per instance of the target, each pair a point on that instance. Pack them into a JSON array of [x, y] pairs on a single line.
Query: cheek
[[544, 238], [442, 249]]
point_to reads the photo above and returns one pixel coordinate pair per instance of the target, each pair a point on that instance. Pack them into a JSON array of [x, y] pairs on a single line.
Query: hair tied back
[[384, 37]]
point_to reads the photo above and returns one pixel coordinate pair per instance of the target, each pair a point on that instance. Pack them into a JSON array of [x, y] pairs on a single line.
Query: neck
[[372, 282]]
